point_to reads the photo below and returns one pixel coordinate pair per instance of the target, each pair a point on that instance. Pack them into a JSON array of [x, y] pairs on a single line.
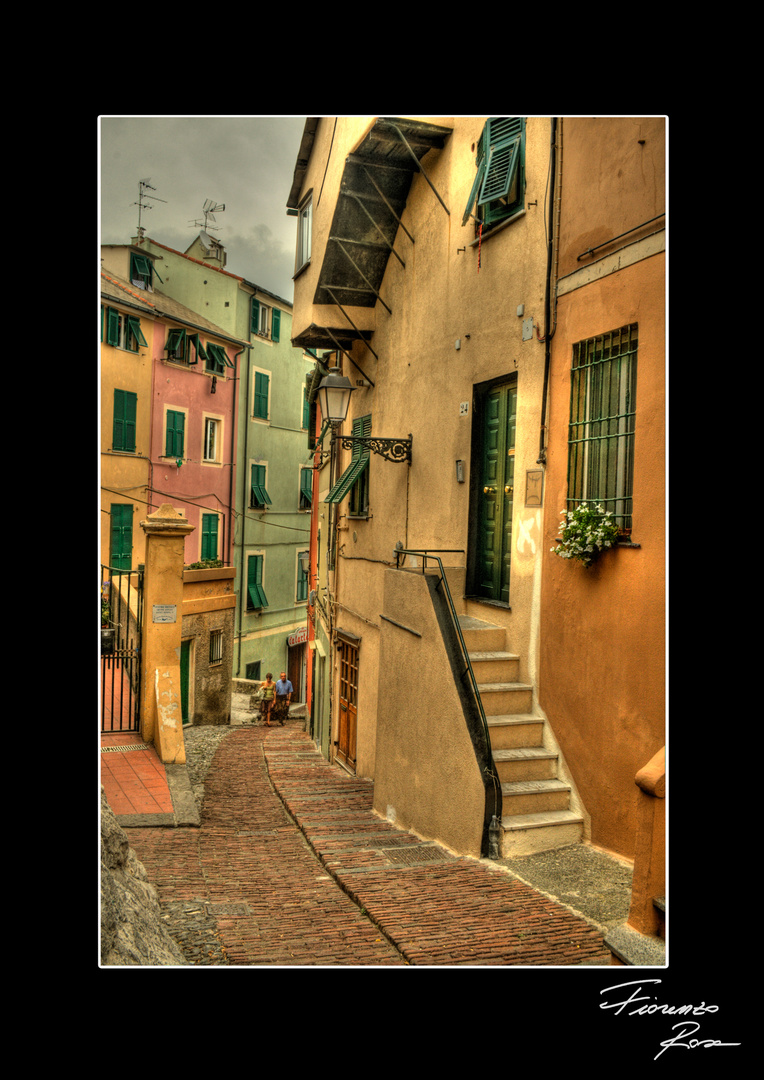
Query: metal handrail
[[426, 554]]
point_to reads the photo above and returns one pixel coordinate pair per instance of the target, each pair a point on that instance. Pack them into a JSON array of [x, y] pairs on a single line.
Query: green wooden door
[[495, 494]]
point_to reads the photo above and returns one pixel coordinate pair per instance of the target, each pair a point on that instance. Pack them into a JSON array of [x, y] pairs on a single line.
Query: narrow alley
[[291, 867]]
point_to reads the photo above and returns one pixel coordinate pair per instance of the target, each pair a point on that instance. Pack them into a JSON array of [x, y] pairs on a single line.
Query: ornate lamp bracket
[[390, 449]]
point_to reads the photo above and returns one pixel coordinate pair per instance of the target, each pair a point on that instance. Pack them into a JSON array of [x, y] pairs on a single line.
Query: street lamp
[[304, 557], [334, 392]]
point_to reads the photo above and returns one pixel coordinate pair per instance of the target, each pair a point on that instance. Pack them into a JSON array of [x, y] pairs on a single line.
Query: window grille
[[601, 432], [216, 646]]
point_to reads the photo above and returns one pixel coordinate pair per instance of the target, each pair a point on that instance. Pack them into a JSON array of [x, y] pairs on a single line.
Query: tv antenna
[[143, 187], [209, 210]]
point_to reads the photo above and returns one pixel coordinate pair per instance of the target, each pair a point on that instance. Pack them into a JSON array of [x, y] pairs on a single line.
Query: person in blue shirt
[[284, 691]]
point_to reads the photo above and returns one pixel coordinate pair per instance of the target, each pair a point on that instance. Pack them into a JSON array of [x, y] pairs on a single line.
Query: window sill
[[305, 266], [487, 234]]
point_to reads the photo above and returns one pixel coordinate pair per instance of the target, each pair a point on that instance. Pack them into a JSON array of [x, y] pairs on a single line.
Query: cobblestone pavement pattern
[[248, 888]]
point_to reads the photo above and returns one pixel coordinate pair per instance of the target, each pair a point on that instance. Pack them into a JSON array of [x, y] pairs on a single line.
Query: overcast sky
[[243, 162]]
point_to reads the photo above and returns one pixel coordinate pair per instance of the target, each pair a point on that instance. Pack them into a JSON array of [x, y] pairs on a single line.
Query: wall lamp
[[334, 392]]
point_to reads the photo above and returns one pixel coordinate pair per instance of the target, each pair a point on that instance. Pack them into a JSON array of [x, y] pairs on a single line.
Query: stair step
[[480, 635], [495, 665], [525, 763], [506, 697], [524, 834], [534, 796], [515, 729]]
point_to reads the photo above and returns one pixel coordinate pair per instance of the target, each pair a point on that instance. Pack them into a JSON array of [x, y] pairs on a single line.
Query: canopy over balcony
[[373, 192]]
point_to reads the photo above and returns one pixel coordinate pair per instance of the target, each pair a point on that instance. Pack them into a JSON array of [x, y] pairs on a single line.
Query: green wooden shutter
[[112, 327], [176, 427], [260, 496], [261, 395], [255, 581], [209, 536], [503, 145], [121, 536], [125, 412], [275, 324], [306, 488], [134, 330], [359, 462], [254, 317], [176, 343]]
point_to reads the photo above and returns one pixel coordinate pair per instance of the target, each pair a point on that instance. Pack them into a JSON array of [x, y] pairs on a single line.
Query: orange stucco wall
[[602, 656]]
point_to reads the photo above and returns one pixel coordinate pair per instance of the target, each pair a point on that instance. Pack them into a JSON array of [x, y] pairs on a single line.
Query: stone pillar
[[161, 716]]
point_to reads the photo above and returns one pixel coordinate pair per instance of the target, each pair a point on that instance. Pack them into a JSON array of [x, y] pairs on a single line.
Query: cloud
[[244, 162]]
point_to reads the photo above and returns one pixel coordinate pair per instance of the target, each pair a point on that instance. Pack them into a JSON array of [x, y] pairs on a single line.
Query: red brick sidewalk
[[276, 901]]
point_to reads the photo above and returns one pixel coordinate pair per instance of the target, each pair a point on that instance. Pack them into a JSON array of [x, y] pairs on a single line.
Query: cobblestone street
[[292, 867]]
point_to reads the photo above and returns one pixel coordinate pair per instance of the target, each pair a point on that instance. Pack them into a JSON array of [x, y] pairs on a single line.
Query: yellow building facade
[[431, 297]]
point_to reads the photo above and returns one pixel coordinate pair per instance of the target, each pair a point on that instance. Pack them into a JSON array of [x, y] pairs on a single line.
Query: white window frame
[[305, 232], [210, 423]]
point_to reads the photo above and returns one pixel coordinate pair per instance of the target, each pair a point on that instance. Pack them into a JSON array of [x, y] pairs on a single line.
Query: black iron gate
[[121, 617]]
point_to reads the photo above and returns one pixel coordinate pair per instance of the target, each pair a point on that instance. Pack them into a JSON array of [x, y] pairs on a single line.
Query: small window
[[304, 233], [175, 434], [306, 488], [176, 345], [217, 359], [355, 479], [259, 497], [259, 318], [209, 536], [216, 646], [125, 410], [252, 670], [302, 584], [141, 271], [498, 191], [212, 429], [256, 597], [262, 388], [121, 544], [123, 331], [602, 420]]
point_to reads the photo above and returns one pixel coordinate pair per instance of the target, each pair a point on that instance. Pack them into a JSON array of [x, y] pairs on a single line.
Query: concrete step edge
[[520, 753], [491, 655], [491, 688], [541, 819], [508, 719], [532, 787]]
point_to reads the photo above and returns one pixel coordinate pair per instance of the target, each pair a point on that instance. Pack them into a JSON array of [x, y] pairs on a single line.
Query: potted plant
[[587, 532]]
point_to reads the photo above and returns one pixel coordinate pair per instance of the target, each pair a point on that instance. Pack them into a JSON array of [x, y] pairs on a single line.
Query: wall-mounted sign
[[164, 613], [299, 637], [534, 487]]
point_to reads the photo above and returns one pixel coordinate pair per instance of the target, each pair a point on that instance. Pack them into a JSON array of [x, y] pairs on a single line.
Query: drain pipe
[[548, 334], [242, 594]]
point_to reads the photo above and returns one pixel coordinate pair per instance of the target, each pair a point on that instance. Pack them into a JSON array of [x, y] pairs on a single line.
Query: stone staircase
[[537, 814]]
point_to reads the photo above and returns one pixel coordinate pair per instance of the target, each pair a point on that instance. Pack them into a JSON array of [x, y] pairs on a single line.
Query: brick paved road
[[246, 888]]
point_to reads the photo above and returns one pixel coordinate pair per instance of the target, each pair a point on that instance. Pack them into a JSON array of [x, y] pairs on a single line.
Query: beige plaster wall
[[427, 778], [445, 294]]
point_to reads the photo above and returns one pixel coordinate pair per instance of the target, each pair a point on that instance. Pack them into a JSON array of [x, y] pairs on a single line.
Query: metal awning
[[373, 192]]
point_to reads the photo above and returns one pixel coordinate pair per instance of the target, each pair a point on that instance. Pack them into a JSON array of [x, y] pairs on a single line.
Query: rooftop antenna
[[143, 187], [209, 210]]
